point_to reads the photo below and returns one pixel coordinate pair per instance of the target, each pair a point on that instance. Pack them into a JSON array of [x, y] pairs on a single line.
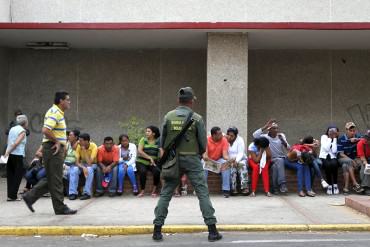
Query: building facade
[[305, 63]]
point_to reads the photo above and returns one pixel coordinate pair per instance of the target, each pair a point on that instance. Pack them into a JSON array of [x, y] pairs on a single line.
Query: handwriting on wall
[[360, 116], [37, 120]]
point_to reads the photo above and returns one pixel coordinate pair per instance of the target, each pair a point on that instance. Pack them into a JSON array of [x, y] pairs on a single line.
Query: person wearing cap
[[328, 156], [15, 152], [363, 153], [279, 148], [53, 145], [347, 154], [189, 152]]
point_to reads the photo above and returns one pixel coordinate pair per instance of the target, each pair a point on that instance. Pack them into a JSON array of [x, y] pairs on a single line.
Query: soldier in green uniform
[[189, 151]]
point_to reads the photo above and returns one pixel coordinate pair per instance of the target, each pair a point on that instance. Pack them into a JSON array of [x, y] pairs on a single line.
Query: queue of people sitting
[[269, 152]]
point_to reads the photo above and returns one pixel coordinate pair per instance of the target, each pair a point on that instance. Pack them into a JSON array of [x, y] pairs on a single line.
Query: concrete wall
[[190, 11], [227, 81], [308, 90], [4, 82], [106, 86], [5, 11]]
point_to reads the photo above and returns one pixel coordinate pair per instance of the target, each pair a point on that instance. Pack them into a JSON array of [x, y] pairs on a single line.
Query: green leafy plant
[[134, 128]]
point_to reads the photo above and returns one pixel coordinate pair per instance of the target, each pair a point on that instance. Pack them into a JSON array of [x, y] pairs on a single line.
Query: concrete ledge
[[359, 203], [147, 229]]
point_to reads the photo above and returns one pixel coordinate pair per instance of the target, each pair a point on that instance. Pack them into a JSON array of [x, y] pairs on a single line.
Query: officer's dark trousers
[[192, 167], [53, 182]]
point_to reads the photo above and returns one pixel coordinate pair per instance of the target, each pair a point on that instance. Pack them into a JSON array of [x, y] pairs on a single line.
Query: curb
[[148, 229]]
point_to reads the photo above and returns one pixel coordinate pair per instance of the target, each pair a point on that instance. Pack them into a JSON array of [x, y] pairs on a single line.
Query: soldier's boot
[[157, 233], [213, 235]]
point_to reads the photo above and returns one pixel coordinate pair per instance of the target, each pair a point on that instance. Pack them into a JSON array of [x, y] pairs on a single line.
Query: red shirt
[[301, 148], [106, 157], [360, 148], [215, 149]]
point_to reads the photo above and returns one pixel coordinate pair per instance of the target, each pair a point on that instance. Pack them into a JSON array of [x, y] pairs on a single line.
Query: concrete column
[[227, 81], [5, 11]]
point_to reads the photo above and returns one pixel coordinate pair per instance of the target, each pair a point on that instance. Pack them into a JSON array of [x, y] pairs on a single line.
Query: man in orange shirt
[[217, 150], [106, 174]]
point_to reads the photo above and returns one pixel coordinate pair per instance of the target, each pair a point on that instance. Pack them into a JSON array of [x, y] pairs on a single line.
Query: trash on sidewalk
[[88, 235]]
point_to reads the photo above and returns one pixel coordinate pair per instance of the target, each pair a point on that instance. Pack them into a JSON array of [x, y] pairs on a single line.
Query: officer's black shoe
[[66, 211], [28, 202], [157, 233], [213, 235]]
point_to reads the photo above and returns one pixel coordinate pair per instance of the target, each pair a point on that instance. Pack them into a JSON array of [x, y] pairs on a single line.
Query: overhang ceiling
[[193, 39]]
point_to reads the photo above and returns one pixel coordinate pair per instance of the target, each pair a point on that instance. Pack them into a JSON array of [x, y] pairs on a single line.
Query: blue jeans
[[33, 176], [226, 176], [303, 174], [316, 169], [122, 174], [74, 174]]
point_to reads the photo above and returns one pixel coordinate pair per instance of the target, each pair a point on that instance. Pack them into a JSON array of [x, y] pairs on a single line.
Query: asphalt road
[[286, 239]]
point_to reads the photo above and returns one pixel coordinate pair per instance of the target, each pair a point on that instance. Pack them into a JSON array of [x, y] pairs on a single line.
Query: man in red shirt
[[106, 174], [363, 152], [217, 150]]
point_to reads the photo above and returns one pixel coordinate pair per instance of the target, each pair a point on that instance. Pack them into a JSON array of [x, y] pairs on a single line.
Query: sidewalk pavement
[[128, 214]]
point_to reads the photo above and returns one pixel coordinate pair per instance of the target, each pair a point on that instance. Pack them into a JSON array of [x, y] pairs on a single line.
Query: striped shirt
[[150, 149], [54, 121]]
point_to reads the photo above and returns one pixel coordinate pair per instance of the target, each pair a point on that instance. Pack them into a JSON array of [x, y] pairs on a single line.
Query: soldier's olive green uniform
[[189, 152]]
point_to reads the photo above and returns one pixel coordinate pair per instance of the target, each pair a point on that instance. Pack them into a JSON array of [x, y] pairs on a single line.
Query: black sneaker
[[72, 197], [157, 233], [85, 197], [226, 193], [283, 188]]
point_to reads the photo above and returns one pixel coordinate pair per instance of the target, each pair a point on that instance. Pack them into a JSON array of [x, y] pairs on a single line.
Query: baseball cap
[[186, 93], [350, 125]]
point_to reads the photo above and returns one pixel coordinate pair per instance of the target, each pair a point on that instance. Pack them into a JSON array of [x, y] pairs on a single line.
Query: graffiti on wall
[[37, 120], [360, 116]]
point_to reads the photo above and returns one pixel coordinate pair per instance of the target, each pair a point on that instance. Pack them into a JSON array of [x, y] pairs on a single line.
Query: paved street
[[307, 239]]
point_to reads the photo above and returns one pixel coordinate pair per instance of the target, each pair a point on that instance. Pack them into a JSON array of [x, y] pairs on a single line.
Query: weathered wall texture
[[4, 82], [190, 11], [308, 90], [106, 86]]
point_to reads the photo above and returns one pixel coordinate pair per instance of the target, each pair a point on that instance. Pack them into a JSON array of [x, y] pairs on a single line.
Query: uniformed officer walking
[[189, 151]]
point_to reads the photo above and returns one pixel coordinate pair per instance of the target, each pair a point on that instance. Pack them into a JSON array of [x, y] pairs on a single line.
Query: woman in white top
[[15, 152], [127, 163], [328, 155], [239, 166]]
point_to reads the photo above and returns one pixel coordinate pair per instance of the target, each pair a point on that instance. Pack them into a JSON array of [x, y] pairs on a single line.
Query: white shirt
[[328, 146], [276, 146], [237, 150], [132, 150]]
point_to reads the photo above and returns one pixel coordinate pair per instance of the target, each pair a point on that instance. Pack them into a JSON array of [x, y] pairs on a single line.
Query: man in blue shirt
[[347, 154]]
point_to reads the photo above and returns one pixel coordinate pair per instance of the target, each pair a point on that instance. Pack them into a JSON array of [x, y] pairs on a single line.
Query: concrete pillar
[[227, 81], [5, 11]]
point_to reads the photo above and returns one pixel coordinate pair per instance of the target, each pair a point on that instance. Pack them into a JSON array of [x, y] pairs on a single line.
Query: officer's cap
[[186, 93]]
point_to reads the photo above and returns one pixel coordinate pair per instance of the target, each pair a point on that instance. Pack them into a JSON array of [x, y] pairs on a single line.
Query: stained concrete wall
[[227, 81], [190, 11], [4, 82], [5, 11], [308, 90], [106, 86], [304, 90]]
